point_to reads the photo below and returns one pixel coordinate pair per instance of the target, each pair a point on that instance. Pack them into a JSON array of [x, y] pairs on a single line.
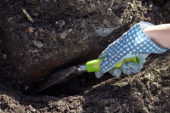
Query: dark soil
[[145, 92], [63, 34]]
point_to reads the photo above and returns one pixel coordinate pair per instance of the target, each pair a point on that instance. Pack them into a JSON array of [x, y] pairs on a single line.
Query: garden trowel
[[65, 74]]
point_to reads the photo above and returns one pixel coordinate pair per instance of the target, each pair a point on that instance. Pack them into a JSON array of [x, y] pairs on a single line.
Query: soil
[[63, 34], [145, 92]]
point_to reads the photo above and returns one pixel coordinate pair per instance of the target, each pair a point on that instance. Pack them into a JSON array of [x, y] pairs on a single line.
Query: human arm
[[160, 34]]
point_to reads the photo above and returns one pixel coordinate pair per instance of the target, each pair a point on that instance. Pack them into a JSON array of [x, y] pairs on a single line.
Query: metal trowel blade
[[57, 78]]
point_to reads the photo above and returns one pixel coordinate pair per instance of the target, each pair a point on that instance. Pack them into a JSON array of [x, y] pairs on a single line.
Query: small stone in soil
[[38, 44]]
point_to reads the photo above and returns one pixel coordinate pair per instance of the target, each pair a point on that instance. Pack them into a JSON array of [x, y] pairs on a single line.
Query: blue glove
[[133, 42]]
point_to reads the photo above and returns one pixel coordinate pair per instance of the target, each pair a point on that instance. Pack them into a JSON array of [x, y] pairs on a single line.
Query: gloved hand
[[131, 67], [132, 43], [127, 68]]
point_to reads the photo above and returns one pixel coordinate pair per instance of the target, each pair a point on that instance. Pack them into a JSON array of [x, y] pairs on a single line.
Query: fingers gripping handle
[[94, 65]]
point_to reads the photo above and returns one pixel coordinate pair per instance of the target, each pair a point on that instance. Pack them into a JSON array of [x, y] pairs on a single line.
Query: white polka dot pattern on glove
[[134, 41]]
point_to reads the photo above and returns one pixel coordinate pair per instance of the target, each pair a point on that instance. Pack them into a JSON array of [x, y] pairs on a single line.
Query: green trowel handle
[[94, 65]]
